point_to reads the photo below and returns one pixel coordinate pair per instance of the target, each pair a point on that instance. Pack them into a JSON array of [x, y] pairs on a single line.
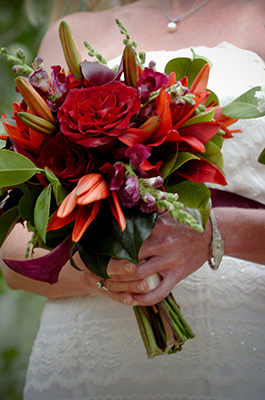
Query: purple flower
[[148, 203], [137, 154], [154, 182], [46, 268], [115, 175], [149, 199], [40, 80], [130, 193], [99, 74], [149, 82], [58, 80]]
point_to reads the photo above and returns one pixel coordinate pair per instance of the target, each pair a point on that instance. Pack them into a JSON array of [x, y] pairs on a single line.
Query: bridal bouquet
[[93, 155]]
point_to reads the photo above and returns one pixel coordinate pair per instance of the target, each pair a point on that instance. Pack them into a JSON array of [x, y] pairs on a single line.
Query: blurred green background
[[19, 311]]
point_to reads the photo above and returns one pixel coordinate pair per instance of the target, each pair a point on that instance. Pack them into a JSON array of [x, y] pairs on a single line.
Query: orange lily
[[37, 123], [83, 204], [29, 139], [130, 67], [225, 122], [70, 50], [200, 82], [35, 102]]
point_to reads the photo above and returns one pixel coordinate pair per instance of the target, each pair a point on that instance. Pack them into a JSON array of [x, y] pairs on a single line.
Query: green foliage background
[[19, 311]]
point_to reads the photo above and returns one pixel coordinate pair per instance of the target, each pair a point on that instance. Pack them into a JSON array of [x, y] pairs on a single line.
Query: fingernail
[[128, 267], [140, 286]]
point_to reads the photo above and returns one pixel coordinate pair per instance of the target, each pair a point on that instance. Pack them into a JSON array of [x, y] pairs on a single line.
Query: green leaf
[[213, 154], [27, 204], [244, 106], [59, 191], [169, 163], [104, 239], [212, 98], [183, 157], [7, 222], [197, 56], [15, 168], [261, 158], [218, 139], [203, 117], [191, 194], [201, 214], [42, 210], [183, 66]]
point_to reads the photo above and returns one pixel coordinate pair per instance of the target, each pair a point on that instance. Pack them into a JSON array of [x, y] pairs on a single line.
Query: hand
[[173, 251]]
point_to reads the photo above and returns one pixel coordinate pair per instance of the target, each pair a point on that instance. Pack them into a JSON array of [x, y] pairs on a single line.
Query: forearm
[[243, 231], [71, 281]]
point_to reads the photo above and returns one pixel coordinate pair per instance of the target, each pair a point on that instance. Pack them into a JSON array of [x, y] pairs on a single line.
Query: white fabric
[[90, 348]]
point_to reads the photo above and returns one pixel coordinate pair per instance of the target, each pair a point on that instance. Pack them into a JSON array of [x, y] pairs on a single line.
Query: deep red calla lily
[[46, 268]]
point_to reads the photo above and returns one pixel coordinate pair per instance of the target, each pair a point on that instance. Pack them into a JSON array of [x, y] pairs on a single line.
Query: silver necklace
[[172, 25]]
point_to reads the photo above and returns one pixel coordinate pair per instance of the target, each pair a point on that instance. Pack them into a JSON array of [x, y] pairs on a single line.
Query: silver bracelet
[[217, 245]]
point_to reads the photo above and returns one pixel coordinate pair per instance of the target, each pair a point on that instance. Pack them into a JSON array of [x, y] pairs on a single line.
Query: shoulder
[[97, 28]]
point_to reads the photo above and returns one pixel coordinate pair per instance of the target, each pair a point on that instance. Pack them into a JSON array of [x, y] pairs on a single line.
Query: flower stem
[[146, 332], [162, 326], [189, 332]]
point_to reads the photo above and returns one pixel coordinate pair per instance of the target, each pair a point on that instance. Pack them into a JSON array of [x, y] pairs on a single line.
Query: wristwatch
[[217, 245]]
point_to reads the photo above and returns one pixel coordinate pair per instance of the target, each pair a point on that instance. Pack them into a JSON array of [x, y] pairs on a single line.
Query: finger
[[159, 293], [120, 267], [132, 287], [123, 298]]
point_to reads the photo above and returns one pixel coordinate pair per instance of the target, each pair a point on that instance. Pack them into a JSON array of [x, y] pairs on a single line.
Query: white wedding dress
[[90, 348]]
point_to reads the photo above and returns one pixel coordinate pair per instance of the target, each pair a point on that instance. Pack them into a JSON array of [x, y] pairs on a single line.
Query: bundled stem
[[163, 328]]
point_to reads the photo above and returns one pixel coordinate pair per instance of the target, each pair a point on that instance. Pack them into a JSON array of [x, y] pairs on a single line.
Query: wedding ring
[[101, 284]]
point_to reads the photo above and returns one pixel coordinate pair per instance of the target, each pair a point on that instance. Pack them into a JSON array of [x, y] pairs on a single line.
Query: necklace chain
[[180, 17]]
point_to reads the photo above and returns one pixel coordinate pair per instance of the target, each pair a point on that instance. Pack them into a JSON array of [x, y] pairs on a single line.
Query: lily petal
[[67, 205], [200, 82], [57, 223], [116, 210], [91, 187], [84, 217]]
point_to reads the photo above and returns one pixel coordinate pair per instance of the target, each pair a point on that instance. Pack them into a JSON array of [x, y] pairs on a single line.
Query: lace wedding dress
[[90, 348]]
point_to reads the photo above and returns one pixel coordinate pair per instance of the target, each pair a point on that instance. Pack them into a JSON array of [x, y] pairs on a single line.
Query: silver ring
[[101, 284]]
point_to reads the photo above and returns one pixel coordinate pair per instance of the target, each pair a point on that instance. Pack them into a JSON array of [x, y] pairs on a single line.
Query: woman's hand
[[173, 251]]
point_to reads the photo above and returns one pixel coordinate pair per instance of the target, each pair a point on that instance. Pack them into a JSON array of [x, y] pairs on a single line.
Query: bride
[[89, 347]]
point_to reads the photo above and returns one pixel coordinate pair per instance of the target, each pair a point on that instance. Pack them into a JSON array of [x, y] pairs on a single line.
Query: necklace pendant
[[171, 26]]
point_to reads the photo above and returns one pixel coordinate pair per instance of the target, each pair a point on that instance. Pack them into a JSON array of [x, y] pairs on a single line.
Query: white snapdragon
[[260, 96]]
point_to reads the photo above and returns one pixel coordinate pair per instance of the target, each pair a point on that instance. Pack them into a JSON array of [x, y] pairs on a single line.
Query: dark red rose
[[68, 161], [97, 115]]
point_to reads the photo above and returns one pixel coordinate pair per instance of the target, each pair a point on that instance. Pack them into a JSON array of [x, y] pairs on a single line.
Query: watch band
[[217, 245]]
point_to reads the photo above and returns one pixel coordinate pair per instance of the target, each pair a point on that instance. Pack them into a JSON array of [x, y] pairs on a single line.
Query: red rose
[[68, 161], [97, 115]]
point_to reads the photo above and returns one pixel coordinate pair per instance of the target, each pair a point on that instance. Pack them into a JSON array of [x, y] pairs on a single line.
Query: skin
[[182, 250]]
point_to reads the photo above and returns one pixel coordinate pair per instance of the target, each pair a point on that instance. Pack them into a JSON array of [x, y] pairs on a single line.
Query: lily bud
[[37, 123], [151, 124], [70, 49], [35, 102], [129, 66]]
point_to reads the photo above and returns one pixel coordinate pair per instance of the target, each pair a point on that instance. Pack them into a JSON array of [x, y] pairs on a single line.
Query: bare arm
[[180, 252]]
